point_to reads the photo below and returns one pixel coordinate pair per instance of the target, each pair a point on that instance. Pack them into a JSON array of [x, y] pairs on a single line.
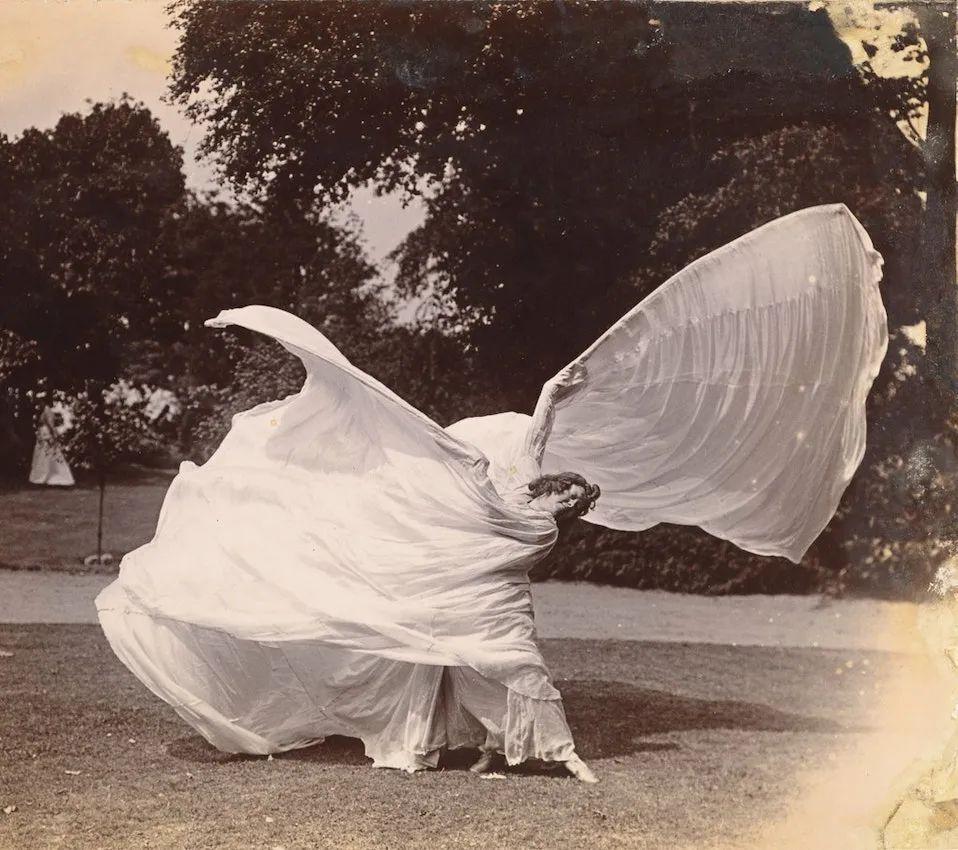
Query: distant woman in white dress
[[49, 466]]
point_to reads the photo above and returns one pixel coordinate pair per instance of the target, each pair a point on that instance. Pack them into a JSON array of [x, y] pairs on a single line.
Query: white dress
[[316, 575], [49, 466], [343, 565]]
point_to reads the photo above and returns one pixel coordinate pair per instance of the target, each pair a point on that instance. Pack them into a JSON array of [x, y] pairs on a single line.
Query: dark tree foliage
[[546, 136], [503, 110], [81, 255], [108, 268], [82, 263], [80, 258], [233, 255], [228, 255], [928, 44]]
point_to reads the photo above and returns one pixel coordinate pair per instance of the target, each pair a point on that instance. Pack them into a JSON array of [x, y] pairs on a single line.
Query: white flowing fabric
[[343, 565], [732, 398], [318, 572]]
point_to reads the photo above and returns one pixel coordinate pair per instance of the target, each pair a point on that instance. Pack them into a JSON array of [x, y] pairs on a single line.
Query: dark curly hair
[[559, 481]]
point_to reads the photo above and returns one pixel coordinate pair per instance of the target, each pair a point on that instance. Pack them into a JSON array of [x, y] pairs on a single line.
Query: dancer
[[344, 565]]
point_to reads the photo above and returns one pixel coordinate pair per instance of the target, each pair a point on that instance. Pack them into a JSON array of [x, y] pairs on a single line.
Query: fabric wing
[[733, 397]]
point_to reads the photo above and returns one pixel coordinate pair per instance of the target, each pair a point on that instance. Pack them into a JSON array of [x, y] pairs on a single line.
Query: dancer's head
[[566, 495]]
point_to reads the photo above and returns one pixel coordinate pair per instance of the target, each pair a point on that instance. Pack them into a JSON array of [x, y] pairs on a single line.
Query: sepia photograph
[[451, 423]]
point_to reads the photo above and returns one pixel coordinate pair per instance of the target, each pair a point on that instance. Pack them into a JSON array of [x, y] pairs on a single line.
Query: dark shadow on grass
[[193, 748], [465, 758], [607, 719], [334, 750]]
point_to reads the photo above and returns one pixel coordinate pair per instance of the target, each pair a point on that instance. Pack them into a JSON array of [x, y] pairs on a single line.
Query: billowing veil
[[732, 398], [340, 547]]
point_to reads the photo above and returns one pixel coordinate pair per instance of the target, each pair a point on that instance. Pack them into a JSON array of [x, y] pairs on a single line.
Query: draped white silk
[[335, 524], [732, 398], [340, 548]]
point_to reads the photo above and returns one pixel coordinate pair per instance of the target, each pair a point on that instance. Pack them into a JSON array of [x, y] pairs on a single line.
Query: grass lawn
[[695, 746], [55, 528]]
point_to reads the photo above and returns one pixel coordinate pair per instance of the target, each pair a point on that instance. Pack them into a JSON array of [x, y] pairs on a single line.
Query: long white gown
[[48, 465], [343, 565]]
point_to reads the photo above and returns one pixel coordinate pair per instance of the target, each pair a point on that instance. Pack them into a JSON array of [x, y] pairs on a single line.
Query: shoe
[[580, 770]]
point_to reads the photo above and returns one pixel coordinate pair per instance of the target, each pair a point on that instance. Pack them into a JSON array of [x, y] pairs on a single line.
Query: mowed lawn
[[55, 528], [696, 745]]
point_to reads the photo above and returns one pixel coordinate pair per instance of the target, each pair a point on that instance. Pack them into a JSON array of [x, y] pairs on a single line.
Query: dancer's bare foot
[[484, 763], [580, 770]]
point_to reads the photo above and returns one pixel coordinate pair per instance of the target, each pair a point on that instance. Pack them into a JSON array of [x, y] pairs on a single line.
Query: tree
[[937, 26], [85, 203], [17, 357], [906, 56], [469, 99], [757, 179], [108, 266], [543, 137], [80, 257], [106, 430]]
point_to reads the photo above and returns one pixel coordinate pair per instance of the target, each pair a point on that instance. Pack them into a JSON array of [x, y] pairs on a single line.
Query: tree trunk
[[101, 480], [99, 459], [938, 246]]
